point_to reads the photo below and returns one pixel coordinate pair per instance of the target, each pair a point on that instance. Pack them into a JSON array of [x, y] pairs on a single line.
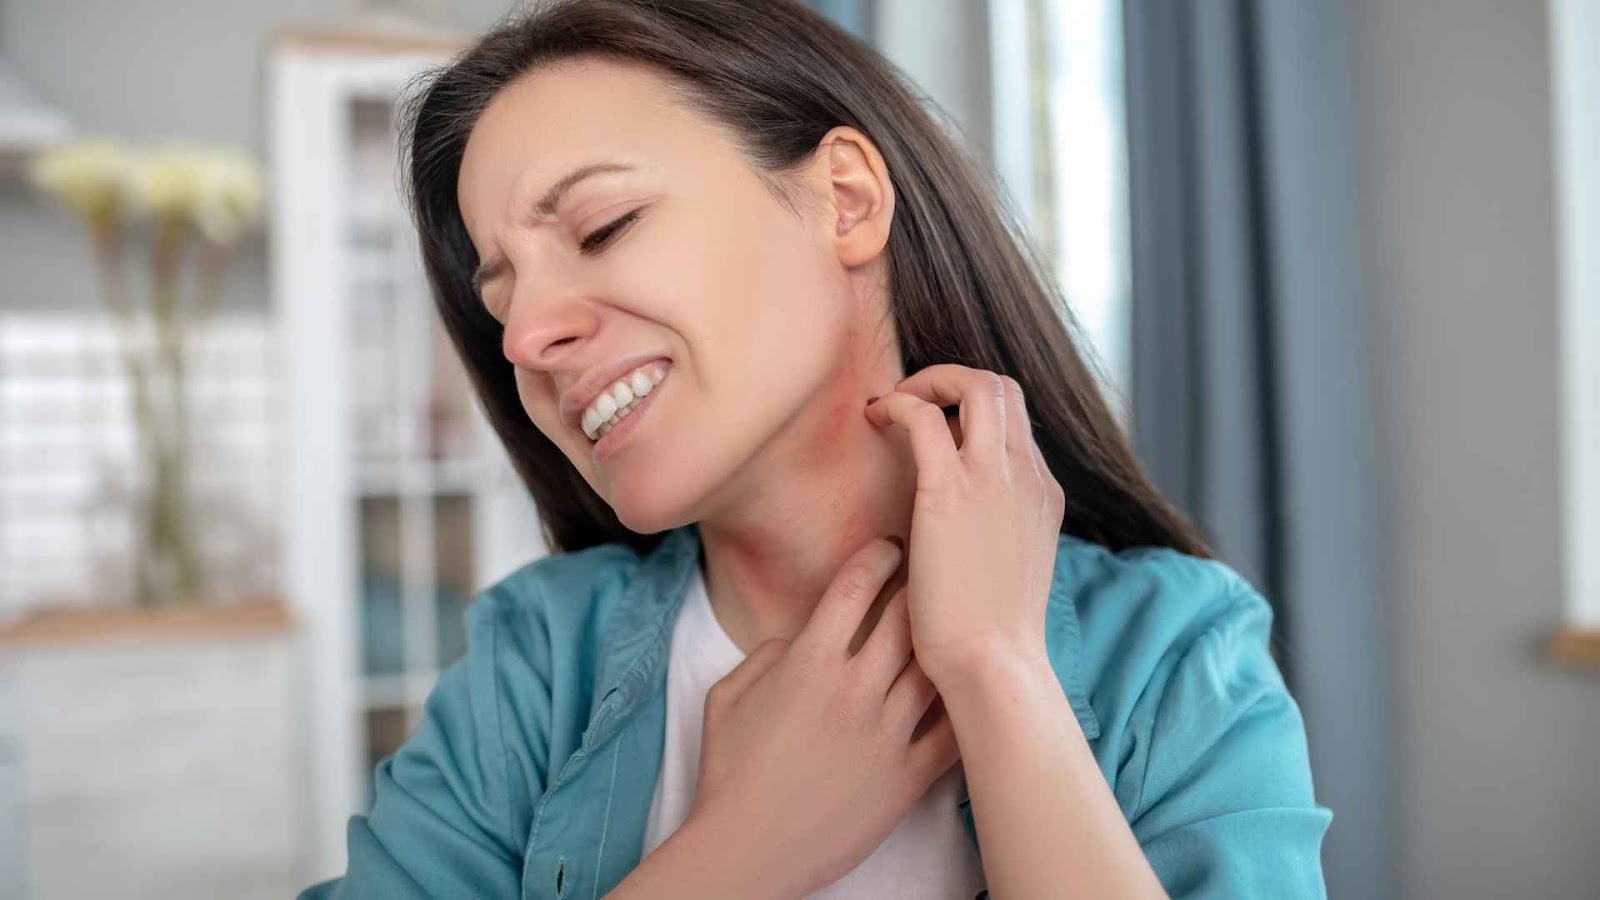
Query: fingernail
[[897, 541]]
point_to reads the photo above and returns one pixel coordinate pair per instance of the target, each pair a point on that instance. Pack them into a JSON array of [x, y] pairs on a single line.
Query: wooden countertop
[[1572, 648], [55, 626]]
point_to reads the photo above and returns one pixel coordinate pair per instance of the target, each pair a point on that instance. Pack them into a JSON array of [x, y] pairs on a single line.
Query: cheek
[[540, 405]]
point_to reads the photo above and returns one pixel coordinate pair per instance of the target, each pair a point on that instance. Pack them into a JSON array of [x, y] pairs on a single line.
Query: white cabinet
[[149, 753], [400, 503]]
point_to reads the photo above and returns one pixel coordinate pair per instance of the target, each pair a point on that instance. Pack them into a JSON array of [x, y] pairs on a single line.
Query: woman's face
[[760, 319]]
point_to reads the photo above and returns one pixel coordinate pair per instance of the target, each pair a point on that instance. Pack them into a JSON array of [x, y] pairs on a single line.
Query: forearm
[[1048, 822], [698, 860]]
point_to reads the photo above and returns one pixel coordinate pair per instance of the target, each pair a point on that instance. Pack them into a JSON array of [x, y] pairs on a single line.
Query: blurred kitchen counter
[[149, 753]]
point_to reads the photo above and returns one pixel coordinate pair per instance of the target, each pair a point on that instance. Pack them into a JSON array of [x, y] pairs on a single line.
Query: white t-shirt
[[927, 855]]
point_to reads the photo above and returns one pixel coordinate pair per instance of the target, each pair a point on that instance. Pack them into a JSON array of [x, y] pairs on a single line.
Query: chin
[[650, 504]]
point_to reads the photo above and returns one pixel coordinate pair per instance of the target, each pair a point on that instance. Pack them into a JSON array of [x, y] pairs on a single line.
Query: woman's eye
[[603, 235]]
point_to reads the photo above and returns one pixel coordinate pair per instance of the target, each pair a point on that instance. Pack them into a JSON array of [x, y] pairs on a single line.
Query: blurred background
[[1339, 263]]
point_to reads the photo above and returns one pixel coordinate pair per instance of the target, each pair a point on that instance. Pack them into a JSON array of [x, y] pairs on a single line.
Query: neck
[[828, 485]]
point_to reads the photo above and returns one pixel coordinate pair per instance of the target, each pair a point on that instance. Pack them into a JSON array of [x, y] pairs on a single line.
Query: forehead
[[554, 119]]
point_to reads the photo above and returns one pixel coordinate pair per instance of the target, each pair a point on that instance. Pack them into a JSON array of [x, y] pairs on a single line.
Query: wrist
[[726, 863], [691, 863], [991, 674]]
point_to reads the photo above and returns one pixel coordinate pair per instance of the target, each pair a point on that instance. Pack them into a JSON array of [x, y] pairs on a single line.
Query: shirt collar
[[634, 658]]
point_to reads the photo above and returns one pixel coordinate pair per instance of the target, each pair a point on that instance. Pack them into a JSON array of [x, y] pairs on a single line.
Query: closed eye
[[595, 241], [603, 235]]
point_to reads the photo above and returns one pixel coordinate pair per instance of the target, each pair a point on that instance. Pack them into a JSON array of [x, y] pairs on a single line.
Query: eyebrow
[[546, 207]]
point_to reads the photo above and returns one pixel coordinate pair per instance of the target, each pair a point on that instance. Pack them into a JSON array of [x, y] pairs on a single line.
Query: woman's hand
[[807, 759], [985, 522]]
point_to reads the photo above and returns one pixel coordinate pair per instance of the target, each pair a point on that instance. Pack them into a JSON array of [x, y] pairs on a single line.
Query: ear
[[860, 193]]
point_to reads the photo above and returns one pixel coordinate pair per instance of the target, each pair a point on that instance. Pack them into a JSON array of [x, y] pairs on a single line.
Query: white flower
[[163, 183], [228, 196], [91, 176], [219, 191]]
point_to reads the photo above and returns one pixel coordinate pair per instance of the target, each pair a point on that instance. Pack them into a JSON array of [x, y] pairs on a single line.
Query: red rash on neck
[[827, 436], [846, 395], [830, 440]]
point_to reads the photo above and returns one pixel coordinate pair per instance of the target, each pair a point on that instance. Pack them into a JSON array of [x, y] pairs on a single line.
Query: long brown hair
[[965, 287]]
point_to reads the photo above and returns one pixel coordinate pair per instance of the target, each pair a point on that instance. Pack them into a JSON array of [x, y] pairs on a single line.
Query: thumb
[[749, 670]]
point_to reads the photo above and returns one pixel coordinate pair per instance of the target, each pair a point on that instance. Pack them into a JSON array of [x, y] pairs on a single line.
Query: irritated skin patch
[[828, 435], [838, 432]]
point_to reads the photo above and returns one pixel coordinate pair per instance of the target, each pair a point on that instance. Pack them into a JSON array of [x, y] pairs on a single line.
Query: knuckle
[[1054, 492], [856, 579], [1037, 479]]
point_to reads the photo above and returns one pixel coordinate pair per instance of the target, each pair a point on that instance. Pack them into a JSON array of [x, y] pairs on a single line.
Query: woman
[[793, 642]]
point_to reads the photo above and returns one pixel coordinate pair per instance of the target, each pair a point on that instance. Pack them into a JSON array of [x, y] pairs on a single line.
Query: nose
[[544, 334]]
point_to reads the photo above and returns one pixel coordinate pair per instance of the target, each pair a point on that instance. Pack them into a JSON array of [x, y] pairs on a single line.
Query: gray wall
[[1499, 752], [148, 71]]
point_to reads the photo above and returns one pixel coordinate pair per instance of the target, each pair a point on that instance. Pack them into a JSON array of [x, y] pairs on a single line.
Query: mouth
[[611, 435], [602, 380]]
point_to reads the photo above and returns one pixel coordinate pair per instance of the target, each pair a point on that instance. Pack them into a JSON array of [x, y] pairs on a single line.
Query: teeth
[[622, 393], [619, 399]]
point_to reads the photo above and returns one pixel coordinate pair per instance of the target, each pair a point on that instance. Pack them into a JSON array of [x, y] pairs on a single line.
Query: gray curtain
[[855, 16], [1249, 396]]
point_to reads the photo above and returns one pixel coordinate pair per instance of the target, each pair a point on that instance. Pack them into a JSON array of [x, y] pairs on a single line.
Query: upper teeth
[[616, 401]]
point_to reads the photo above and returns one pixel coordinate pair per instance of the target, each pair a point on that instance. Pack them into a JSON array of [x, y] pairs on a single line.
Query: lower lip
[[613, 440]]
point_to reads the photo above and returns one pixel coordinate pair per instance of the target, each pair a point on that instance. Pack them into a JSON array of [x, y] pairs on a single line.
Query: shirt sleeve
[[451, 806], [1225, 802]]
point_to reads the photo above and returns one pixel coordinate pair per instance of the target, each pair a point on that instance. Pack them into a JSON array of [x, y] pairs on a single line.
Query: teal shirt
[[533, 768]]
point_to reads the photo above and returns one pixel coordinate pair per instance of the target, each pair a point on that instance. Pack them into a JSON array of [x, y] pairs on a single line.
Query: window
[[1055, 112], [1060, 152]]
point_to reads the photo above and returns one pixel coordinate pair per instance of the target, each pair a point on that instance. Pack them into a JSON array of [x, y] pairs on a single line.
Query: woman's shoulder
[[1140, 606], [1151, 625], [1198, 734]]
